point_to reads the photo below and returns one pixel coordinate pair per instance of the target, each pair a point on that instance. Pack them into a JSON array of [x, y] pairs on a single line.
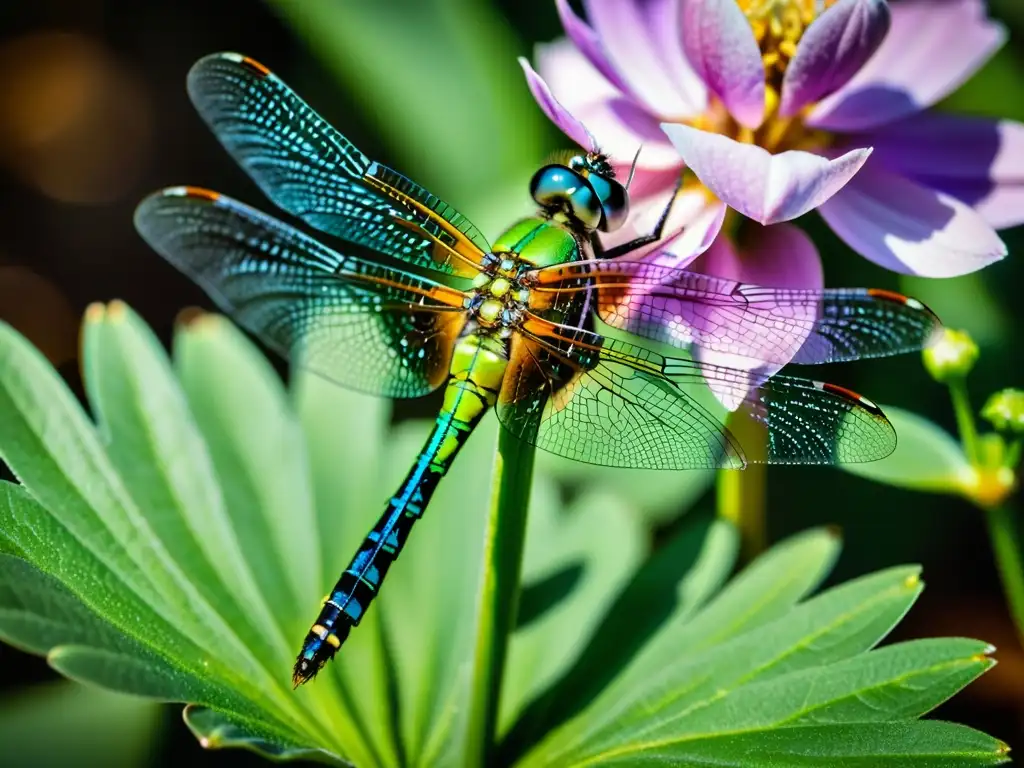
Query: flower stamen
[[778, 26]]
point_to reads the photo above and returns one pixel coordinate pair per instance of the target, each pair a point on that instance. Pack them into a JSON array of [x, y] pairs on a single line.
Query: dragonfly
[[418, 300]]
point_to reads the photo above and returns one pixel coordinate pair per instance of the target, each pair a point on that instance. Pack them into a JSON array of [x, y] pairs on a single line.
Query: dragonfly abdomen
[[477, 369]]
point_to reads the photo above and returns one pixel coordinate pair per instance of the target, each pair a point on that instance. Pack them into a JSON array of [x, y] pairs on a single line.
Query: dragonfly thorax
[[500, 297]]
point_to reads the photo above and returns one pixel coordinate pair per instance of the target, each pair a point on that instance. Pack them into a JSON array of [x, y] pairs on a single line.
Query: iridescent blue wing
[[769, 325], [361, 324], [310, 170], [604, 401]]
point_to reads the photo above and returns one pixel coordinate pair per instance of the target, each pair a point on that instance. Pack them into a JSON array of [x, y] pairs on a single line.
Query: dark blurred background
[[93, 115]]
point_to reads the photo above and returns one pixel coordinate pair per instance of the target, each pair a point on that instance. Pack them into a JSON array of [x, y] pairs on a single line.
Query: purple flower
[[776, 107]]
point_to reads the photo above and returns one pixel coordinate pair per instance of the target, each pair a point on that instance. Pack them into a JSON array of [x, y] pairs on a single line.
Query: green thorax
[[539, 242]]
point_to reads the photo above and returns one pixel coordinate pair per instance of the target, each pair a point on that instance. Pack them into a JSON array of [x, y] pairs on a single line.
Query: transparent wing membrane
[[309, 169], [770, 325], [571, 391], [612, 414], [605, 401], [363, 325]]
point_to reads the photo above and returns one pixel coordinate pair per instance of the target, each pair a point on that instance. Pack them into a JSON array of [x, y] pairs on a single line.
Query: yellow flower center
[[991, 486], [776, 134], [778, 26]]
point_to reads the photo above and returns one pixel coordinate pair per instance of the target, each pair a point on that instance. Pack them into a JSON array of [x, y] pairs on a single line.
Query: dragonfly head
[[585, 188]]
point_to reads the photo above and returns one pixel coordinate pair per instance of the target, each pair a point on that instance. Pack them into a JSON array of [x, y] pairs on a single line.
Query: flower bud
[[1005, 411], [952, 356]]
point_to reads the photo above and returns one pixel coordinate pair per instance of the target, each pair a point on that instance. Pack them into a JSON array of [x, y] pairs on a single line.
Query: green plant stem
[[964, 418], [1012, 457], [499, 591], [741, 493], [1002, 529]]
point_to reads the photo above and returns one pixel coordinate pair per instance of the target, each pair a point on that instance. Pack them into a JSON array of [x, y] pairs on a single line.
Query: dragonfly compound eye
[[614, 201], [558, 187]]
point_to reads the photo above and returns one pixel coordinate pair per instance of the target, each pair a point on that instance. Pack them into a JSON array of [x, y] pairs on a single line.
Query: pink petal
[[976, 160], [765, 187], [556, 113], [780, 256], [619, 125], [635, 37], [1001, 206], [692, 226], [720, 43], [909, 228], [932, 48], [694, 239], [649, 183], [832, 50], [587, 43]]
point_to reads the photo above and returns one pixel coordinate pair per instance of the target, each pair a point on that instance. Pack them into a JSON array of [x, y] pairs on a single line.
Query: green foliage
[[1004, 410], [175, 547]]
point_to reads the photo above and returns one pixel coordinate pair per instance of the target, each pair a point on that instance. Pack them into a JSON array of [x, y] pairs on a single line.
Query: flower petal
[[932, 48], [556, 113], [694, 239], [619, 124], [692, 226], [909, 228], [780, 256], [832, 50], [635, 37], [768, 188], [976, 160], [587, 43], [719, 42]]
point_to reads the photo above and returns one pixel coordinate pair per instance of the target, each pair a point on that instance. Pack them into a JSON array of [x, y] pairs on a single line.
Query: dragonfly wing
[[361, 324], [610, 414], [309, 169], [609, 402], [766, 325]]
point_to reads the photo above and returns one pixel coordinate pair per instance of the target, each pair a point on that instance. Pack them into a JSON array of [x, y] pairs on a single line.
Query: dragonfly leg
[[652, 237]]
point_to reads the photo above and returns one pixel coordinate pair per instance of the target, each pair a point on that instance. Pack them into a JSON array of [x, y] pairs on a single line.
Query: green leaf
[[835, 625], [607, 539], [52, 551], [162, 460], [61, 724], [429, 607], [150, 658], [895, 683], [106, 568], [215, 730], [926, 458], [925, 744], [37, 613], [765, 590], [50, 446], [91, 535], [673, 583], [241, 448]]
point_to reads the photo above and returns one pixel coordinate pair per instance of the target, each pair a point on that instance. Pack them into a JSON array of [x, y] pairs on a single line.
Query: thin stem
[[1012, 456], [964, 418], [499, 591], [1002, 529], [741, 493]]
